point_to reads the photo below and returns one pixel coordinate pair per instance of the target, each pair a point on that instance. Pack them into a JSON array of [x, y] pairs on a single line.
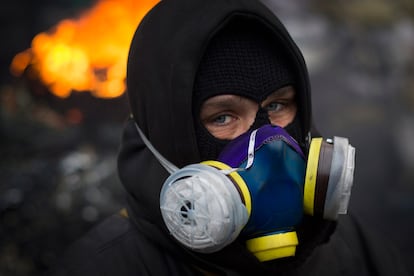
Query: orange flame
[[88, 53]]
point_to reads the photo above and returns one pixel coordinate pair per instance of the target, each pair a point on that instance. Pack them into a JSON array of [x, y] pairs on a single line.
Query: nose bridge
[[262, 118]]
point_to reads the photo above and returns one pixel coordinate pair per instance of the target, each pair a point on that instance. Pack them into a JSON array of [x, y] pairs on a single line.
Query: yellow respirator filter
[[329, 177]]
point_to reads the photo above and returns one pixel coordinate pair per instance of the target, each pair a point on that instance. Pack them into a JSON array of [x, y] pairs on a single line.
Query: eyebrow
[[284, 91], [224, 101]]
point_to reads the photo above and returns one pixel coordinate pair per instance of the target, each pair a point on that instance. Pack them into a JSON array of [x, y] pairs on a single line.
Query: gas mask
[[257, 190]]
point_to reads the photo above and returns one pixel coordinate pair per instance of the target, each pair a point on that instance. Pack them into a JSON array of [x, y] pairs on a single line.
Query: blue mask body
[[275, 180]]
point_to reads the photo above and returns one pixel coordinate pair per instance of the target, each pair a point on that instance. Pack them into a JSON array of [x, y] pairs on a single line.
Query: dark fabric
[[209, 146], [164, 57], [294, 130], [241, 59], [163, 60], [118, 247]]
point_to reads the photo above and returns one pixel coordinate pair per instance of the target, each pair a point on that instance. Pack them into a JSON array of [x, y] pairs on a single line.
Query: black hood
[[163, 59]]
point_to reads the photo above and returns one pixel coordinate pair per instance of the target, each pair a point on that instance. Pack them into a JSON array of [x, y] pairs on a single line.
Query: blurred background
[[62, 109]]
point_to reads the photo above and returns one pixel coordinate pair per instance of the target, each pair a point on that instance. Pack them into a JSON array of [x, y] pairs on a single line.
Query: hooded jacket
[[164, 55]]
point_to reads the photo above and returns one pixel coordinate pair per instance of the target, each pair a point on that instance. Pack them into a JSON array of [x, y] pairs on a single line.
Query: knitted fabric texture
[[241, 59]]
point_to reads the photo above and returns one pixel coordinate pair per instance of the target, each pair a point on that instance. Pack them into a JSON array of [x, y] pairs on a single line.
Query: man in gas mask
[[223, 173]]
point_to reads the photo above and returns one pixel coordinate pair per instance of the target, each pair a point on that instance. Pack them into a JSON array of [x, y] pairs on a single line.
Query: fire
[[88, 53]]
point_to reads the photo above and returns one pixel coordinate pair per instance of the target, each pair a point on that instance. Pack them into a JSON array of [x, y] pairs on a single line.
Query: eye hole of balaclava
[[241, 59]]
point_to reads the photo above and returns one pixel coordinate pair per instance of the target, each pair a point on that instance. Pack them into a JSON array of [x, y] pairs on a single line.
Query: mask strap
[[170, 167], [250, 155], [250, 150]]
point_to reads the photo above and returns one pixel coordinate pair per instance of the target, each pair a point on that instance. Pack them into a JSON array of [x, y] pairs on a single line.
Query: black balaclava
[[241, 59]]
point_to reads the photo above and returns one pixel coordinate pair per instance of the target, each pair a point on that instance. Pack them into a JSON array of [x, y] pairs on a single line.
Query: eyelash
[[227, 117], [215, 119], [269, 107]]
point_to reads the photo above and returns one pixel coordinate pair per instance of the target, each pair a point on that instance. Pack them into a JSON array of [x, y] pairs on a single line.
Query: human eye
[[274, 107], [227, 116], [222, 119], [281, 106]]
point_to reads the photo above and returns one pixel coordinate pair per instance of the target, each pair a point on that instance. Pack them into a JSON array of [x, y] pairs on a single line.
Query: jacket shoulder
[[106, 243], [117, 247], [355, 249]]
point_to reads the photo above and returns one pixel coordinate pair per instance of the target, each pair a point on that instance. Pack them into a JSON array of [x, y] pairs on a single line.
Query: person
[[205, 79]]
